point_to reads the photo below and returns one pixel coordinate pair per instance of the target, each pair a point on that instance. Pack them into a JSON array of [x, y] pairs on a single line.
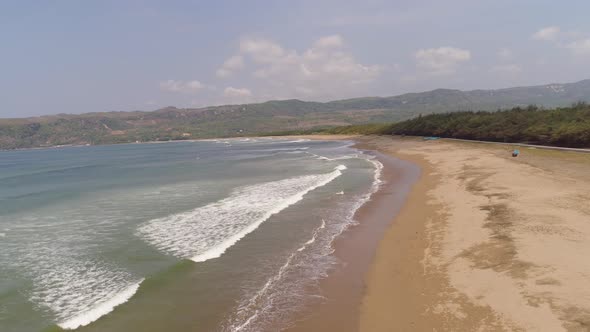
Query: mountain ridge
[[172, 123]]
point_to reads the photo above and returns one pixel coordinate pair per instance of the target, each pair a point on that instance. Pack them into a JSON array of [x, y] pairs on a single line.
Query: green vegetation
[[567, 127], [367, 129], [364, 129], [351, 116]]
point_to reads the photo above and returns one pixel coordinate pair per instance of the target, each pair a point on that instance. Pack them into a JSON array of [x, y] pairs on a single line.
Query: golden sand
[[485, 242]]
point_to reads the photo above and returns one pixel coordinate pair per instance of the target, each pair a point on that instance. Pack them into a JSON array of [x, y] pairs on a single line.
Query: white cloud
[[230, 65], [442, 60], [324, 70], [261, 50], [508, 69], [232, 92], [505, 53], [580, 47], [548, 33], [181, 86], [334, 41]]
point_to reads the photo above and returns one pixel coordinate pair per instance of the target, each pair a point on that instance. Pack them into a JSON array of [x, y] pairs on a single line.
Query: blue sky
[[89, 56]]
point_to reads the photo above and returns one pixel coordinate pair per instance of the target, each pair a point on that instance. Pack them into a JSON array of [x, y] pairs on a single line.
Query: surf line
[[245, 209], [101, 309], [248, 312], [275, 279], [220, 249]]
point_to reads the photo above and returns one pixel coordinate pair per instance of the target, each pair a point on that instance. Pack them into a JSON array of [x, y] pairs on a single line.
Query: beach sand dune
[[485, 242]]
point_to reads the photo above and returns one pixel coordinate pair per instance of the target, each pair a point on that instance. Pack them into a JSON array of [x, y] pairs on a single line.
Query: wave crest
[[208, 231]]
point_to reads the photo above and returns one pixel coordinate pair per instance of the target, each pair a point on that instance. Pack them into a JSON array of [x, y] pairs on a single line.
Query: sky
[[93, 56]]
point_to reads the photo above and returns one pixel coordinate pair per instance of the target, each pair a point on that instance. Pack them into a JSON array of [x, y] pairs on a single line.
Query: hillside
[[445, 100], [235, 120]]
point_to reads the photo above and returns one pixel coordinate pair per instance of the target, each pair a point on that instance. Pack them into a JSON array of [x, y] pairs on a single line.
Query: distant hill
[[172, 123]]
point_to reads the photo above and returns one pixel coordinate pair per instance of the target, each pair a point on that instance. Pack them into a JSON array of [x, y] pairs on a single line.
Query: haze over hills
[[173, 123]]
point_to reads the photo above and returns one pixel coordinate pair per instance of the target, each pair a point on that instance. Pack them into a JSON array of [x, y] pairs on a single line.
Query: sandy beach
[[485, 242], [437, 235], [482, 242]]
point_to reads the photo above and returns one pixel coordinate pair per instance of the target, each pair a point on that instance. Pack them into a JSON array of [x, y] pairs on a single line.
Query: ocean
[[217, 235]]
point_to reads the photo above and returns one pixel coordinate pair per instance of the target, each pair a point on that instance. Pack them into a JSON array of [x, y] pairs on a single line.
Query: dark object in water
[[515, 153]]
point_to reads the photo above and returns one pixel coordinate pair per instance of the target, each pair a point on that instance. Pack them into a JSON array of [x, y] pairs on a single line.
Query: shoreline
[[324, 137], [345, 285], [461, 236], [397, 263], [484, 242], [312, 137], [403, 293]]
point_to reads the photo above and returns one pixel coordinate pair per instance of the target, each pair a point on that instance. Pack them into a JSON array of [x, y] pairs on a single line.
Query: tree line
[[567, 127]]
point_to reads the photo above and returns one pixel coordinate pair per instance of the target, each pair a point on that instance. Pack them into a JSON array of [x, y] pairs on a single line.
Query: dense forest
[[568, 127]]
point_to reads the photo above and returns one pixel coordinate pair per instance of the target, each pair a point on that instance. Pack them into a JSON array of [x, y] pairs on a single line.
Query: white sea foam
[[300, 149], [100, 309], [315, 234], [317, 156], [269, 152], [208, 231], [263, 292], [301, 140], [67, 283], [284, 291], [377, 175], [375, 185], [56, 253], [77, 291]]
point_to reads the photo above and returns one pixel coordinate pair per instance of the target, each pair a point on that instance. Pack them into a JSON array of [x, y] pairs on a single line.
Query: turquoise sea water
[[225, 235]]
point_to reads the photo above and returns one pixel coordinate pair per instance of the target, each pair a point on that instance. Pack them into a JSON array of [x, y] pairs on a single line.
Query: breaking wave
[[287, 290], [208, 231], [101, 309]]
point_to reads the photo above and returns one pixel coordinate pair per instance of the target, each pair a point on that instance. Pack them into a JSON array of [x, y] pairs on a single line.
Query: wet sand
[[345, 285], [484, 242]]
